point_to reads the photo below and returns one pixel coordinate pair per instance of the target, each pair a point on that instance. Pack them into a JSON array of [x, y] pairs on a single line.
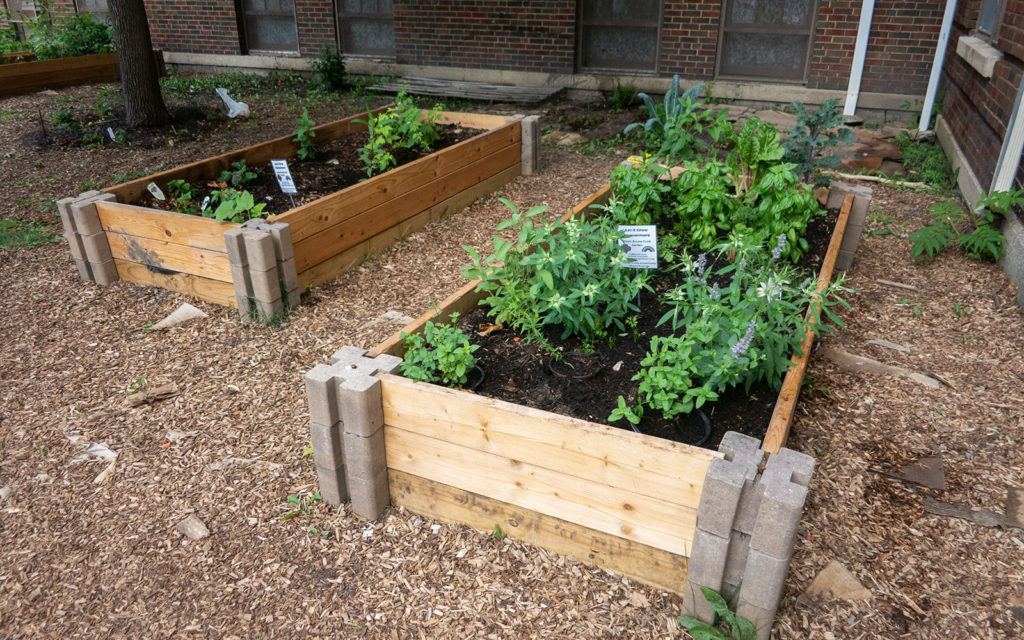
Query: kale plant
[[815, 136], [674, 126]]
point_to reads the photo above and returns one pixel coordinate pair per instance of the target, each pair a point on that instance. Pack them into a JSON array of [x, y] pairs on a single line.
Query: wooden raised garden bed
[[23, 77], [313, 242], [625, 501]]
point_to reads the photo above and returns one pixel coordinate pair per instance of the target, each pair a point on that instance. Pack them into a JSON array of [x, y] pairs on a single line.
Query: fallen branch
[[867, 178], [162, 392]]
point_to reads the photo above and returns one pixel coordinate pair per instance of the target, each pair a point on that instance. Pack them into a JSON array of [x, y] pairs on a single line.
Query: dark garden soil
[[587, 385], [335, 167]]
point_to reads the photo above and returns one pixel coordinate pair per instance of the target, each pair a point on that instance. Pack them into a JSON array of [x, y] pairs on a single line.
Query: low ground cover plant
[[978, 235], [441, 354]]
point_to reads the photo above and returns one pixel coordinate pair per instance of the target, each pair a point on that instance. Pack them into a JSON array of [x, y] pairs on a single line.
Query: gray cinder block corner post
[[263, 271], [346, 414], [855, 223], [531, 145], [86, 238], [746, 527]]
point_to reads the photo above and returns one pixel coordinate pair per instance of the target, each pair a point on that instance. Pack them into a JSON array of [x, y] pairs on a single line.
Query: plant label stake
[[110, 132], [205, 204], [640, 242], [284, 178], [155, 190]]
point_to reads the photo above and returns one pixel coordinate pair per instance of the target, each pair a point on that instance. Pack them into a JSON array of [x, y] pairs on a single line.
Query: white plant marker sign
[[284, 178], [641, 245]]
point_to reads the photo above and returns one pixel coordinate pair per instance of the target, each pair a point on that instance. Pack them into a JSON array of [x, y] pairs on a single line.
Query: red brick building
[[781, 45]]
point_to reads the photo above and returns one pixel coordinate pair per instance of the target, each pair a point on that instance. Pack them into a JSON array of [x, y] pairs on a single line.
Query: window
[[98, 8], [21, 11], [766, 39], [270, 25], [366, 27], [619, 34], [990, 18]]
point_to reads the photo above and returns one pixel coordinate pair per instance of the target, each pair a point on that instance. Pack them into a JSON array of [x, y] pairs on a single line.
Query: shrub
[[401, 126], [75, 35], [330, 70], [814, 137]]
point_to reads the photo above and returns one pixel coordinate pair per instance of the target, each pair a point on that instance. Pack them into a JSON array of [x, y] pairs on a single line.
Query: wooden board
[[618, 458], [170, 256], [650, 521], [169, 226], [367, 223], [494, 92], [315, 217], [785, 405], [20, 77], [483, 121], [329, 269], [649, 565], [261, 153], [222, 293]]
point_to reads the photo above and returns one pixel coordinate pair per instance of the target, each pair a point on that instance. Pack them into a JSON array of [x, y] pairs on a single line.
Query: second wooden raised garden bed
[[669, 514], [23, 77], [313, 243]]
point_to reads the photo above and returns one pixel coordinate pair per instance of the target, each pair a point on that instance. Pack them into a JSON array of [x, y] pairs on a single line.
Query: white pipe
[[940, 56], [1013, 144], [867, 10]]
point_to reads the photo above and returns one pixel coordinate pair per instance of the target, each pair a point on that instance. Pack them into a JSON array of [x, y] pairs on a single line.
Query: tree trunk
[[140, 84]]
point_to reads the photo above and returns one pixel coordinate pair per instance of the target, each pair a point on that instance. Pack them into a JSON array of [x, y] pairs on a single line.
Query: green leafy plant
[[984, 241], [304, 135], [756, 151], [814, 137], [104, 108], [181, 197], [571, 274], [960, 310], [638, 195], [69, 36], [624, 96], [302, 506], [401, 126], [329, 68], [925, 162], [93, 139], [64, 119], [19, 234], [233, 206], [120, 136], [727, 625], [238, 174], [498, 533], [442, 353], [675, 126]]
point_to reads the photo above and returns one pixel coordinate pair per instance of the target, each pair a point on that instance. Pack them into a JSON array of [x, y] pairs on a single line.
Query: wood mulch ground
[[89, 549]]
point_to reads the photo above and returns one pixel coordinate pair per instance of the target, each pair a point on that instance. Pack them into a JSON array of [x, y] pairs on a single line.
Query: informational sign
[[155, 191], [641, 245], [284, 176]]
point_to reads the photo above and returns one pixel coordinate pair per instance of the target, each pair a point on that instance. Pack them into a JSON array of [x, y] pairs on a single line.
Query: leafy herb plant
[[238, 174], [234, 206], [401, 126], [304, 136], [330, 69], [674, 126], [441, 354], [727, 625]]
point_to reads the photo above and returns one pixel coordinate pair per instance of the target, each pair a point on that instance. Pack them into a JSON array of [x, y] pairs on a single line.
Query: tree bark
[[140, 84]]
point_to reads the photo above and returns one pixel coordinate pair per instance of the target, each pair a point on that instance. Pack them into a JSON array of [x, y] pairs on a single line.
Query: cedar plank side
[[222, 293], [171, 257], [20, 77], [169, 226]]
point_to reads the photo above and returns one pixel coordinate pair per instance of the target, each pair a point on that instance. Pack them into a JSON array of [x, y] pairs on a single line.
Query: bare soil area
[[88, 546]]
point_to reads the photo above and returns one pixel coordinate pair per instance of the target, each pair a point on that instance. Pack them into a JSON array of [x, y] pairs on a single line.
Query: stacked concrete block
[[746, 527], [531, 145], [263, 268], [855, 223], [347, 424], [86, 238]]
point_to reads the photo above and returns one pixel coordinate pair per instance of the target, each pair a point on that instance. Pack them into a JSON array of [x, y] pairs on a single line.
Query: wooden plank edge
[[212, 229], [170, 257], [785, 405], [646, 564], [214, 291], [394, 345]]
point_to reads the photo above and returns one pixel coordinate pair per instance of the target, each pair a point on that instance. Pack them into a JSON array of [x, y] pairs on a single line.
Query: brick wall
[[537, 35], [978, 108], [177, 25], [315, 22], [689, 39], [900, 49]]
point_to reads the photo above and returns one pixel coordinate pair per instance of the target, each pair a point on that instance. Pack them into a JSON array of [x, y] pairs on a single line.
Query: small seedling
[[238, 174], [726, 625], [498, 533], [314, 532], [304, 136], [961, 310], [136, 386], [301, 505], [308, 451]]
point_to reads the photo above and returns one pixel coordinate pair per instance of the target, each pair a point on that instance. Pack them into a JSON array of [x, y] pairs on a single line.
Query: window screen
[[270, 25], [766, 39], [366, 27], [619, 34]]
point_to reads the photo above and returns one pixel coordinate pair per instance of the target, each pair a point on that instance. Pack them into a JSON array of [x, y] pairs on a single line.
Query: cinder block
[[734, 442], [241, 280], [75, 245], [259, 250], [750, 503], [327, 445], [723, 485], [762, 619], [281, 232], [320, 393], [513, 118], [66, 219], [696, 605], [289, 274], [96, 247], [844, 260], [735, 562], [246, 305], [265, 285], [347, 355], [84, 270], [370, 497], [777, 519], [236, 247], [364, 457], [530, 145], [104, 273], [790, 466], [293, 298], [360, 405], [87, 220], [269, 310], [763, 579], [837, 193], [333, 489], [707, 560]]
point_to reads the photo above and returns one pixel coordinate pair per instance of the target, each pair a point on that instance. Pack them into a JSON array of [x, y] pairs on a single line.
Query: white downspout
[[1013, 144], [940, 57], [860, 50]]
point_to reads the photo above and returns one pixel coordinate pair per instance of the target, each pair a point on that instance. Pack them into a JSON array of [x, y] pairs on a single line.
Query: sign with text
[[641, 245], [284, 176]]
